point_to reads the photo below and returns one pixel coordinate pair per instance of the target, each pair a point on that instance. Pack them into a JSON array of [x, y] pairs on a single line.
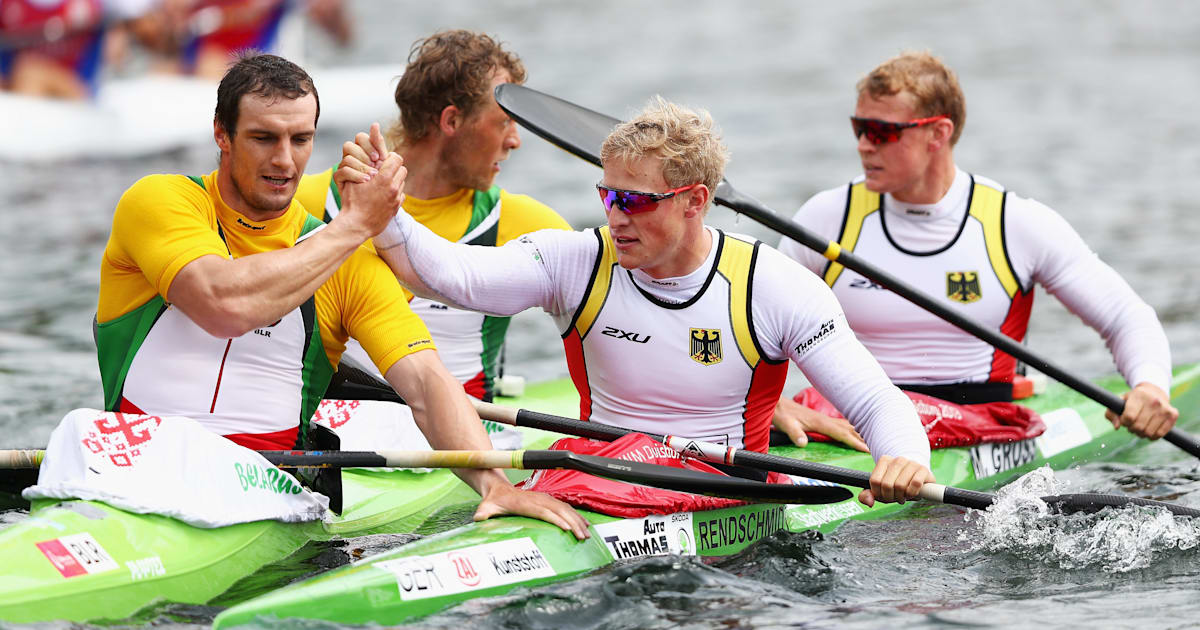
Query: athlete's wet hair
[[932, 84], [262, 75], [452, 67], [685, 140]]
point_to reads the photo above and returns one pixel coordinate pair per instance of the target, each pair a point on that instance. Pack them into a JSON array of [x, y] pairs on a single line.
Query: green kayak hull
[[87, 561], [495, 556]]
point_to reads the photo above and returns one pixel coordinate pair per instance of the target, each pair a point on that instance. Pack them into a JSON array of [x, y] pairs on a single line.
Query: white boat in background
[[150, 114]]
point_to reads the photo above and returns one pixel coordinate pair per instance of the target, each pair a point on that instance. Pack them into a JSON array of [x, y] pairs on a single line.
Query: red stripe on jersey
[[576, 365], [1016, 322], [220, 374], [283, 440], [474, 386], [278, 441], [765, 387], [127, 407]]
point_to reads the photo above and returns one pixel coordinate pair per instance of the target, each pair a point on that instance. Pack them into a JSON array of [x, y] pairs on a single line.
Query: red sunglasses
[[885, 131], [634, 202]]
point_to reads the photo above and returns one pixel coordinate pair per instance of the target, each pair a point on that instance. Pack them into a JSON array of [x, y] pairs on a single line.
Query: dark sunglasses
[[634, 202], [885, 131]]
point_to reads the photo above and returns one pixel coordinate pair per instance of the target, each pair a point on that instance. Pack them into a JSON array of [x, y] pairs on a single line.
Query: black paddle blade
[[687, 480], [12, 482], [1096, 502], [577, 130]]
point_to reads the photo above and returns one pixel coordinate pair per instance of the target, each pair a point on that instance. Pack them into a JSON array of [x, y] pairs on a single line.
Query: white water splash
[[1116, 540]]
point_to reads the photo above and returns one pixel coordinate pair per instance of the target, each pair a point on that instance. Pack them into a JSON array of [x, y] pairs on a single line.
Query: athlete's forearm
[[442, 412], [494, 280], [229, 298], [1129, 326], [1046, 248], [850, 378]]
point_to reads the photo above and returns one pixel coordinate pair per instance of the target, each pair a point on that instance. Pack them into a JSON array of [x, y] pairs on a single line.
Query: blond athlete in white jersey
[[967, 239], [669, 325]]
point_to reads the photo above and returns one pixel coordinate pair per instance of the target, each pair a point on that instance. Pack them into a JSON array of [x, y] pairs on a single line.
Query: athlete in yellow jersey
[[190, 212], [454, 136], [221, 299]]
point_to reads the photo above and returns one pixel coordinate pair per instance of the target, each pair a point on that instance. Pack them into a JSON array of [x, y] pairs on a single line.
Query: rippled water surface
[[1086, 106]]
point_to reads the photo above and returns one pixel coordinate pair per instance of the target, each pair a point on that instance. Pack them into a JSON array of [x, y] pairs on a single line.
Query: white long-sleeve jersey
[[793, 315], [909, 240]]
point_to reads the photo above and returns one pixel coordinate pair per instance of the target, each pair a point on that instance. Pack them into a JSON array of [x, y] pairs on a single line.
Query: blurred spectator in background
[[219, 28], [58, 48], [201, 37], [55, 48]]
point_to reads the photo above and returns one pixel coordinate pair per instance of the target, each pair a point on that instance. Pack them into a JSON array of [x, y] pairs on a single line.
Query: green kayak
[[495, 556], [88, 561]]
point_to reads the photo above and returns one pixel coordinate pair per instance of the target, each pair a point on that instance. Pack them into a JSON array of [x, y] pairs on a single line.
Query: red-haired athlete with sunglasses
[[965, 239]]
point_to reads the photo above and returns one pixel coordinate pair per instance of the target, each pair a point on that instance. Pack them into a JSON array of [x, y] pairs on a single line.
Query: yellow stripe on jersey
[[987, 206], [597, 292], [734, 266], [861, 204]]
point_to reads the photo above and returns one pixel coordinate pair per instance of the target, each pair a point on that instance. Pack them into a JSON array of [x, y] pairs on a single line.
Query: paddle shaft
[[833, 251], [581, 131], [394, 459], [21, 458], [713, 452], [720, 454], [32, 458], [678, 479]]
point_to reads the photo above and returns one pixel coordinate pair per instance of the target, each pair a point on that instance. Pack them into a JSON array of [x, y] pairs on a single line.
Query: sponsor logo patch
[[470, 568], [77, 554], [264, 332], [144, 568], [739, 529], [963, 286], [706, 345], [990, 459], [617, 333], [653, 535], [692, 450], [533, 250], [464, 569], [864, 283], [252, 476], [121, 436], [817, 516], [826, 331]]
